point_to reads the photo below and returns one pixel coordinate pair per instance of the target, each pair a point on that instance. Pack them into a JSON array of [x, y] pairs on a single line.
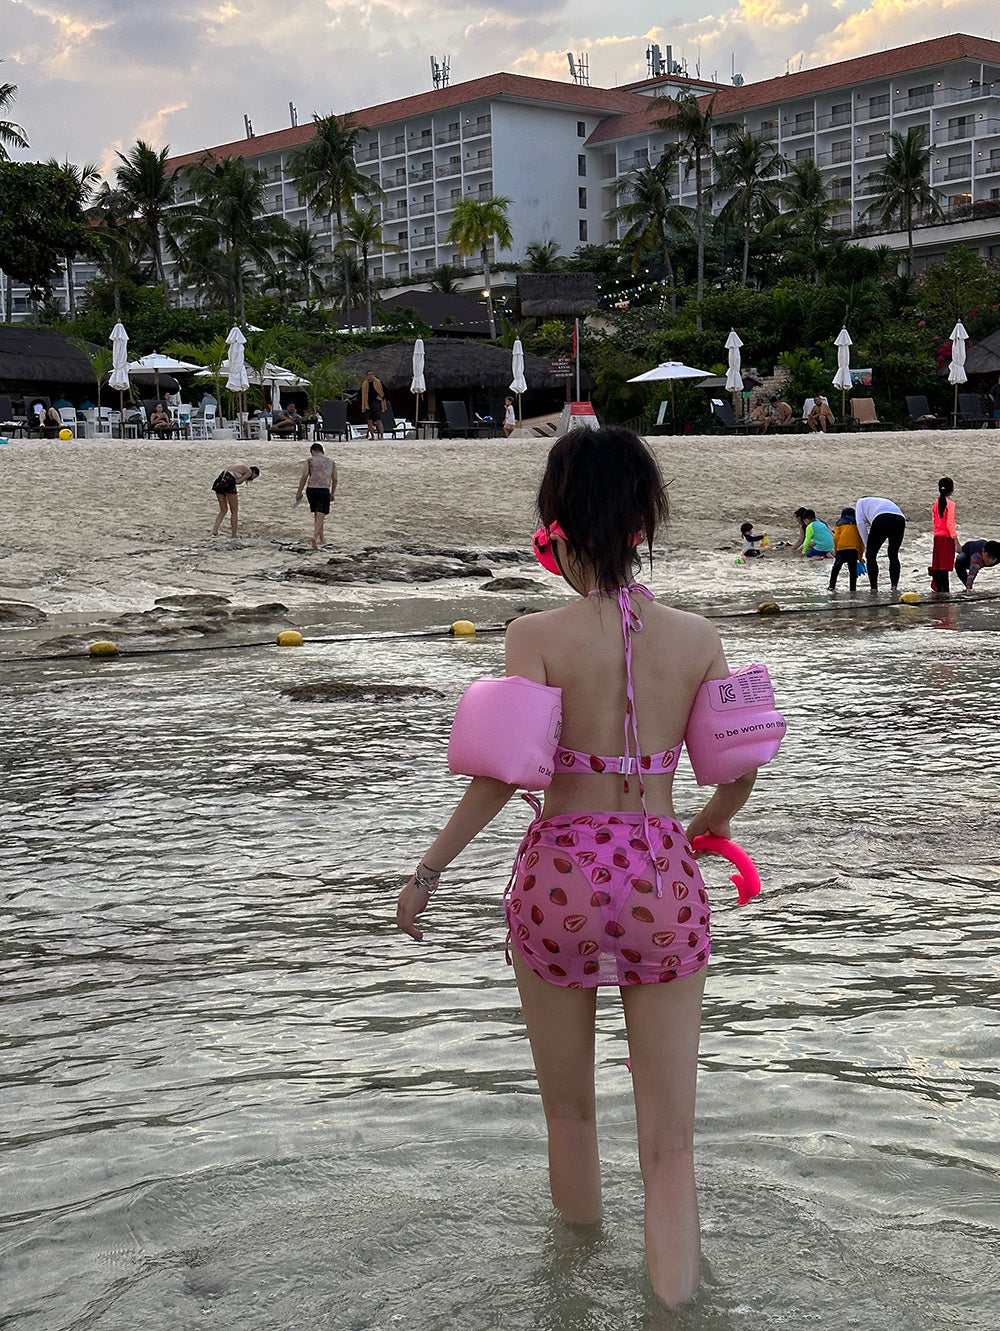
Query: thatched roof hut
[[452, 365], [39, 360], [448, 314], [984, 357], [556, 295]]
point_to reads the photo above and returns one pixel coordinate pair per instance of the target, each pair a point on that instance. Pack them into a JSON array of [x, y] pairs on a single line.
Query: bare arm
[[714, 816], [302, 479], [333, 481]]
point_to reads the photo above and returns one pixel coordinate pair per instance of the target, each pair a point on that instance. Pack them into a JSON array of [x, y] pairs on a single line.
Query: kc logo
[[726, 692]]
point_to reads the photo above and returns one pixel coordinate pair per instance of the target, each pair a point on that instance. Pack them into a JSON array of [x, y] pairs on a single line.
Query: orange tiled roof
[[605, 101], [845, 73]]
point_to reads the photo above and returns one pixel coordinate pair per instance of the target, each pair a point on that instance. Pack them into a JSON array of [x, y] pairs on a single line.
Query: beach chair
[[70, 420], [863, 413], [6, 410], [456, 423], [391, 426], [920, 414], [722, 414], [332, 420], [970, 410]]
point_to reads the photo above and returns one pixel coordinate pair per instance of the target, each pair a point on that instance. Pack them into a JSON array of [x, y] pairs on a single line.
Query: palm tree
[[232, 212], [807, 209], [9, 132], [653, 216], [475, 224], [902, 189], [82, 180], [307, 256], [145, 182], [112, 232], [684, 117], [444, 279], [362, 234], [325, 171], [749, 166], [542, 256]]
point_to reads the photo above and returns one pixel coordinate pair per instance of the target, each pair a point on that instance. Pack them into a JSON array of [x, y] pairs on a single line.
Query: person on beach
[[994, 396], [160, 421], [509, 419], [750, 541], [880, 522], [286, 421], [600, 496], [820, 416], [975, 556], [946, 543], [800, 517], [50, 422], [319, 481], [847, 549], [817, 539], [224, 486], [373, 404]]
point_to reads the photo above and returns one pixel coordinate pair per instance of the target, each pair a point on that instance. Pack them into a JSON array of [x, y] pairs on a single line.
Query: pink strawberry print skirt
[[583, 908]]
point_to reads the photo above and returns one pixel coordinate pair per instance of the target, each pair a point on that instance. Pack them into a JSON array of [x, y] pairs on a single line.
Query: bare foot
[[313, 543]]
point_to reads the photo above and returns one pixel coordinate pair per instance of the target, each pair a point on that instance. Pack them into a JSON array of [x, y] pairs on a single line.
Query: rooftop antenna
[[248, 126], [579, 68], [737, 78], [441, 71], [655, 66], [293, 114]]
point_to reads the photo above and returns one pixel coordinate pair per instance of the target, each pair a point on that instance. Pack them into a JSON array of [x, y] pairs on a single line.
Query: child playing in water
[[750, 541], [817, 541], [848, 548], [975, 556]]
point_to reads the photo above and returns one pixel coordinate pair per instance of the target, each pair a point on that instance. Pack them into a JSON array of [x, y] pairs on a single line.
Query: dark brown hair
[[604, 488]]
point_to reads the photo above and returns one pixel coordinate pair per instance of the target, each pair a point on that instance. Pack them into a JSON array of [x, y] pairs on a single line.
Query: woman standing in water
[[605, 888]]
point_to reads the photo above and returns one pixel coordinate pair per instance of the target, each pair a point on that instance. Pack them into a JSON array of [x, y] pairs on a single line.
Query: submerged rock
[[19, 612], [390, 566], [351, 690], [513, 584], [193, 601]]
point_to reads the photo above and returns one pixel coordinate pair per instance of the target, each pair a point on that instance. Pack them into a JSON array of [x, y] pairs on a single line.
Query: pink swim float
[[507, 729], [746, 879], [733, 727]]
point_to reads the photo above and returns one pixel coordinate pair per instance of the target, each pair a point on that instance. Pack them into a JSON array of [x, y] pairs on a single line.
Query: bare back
[[580, 649]]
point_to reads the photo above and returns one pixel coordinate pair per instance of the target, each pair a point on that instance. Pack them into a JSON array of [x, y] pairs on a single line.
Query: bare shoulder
[[694, 628], [532, 629]]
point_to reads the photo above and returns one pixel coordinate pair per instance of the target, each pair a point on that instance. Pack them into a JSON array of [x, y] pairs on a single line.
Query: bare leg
[[223, 510], [561, 1031], [318, 529], [664, 1023], [234, 509]]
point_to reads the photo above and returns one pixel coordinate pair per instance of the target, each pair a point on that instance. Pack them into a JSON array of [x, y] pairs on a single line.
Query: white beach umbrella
[[118, 378], [158, 361], [669, 370], [518, 383], [236, 379], [417, 385], [842, 379], [734, 380], [956, 370]]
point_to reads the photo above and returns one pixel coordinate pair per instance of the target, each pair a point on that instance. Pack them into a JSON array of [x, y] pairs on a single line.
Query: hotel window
[[878, 106], [841, 114], [581, 164], [803, 122], [581, 129], [582, 193], [803, 154], [923, 95], [995, 159], [583, 230], [840, 151], [960, 127]]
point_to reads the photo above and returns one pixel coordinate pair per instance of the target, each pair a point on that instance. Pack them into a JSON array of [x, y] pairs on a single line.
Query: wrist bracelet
[[428, 880]]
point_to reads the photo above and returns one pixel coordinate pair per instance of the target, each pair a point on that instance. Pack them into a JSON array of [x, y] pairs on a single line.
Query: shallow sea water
[[234, 1095]]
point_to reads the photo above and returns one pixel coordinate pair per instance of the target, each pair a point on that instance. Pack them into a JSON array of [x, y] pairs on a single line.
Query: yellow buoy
[[103, 648], [290, 638], [911, 598], [769, 608], [65, 434], [463, 628]]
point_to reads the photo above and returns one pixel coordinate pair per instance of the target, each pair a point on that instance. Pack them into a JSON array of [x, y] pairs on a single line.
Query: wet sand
[[95, 529]]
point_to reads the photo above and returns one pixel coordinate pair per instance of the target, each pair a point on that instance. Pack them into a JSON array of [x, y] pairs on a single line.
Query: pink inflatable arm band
[[507, 729], [746, 879], [733, 727]]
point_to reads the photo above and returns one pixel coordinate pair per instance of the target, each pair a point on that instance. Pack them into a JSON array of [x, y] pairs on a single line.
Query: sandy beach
[[96, 530]]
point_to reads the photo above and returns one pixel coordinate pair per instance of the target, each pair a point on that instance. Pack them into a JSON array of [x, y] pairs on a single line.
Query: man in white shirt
[[880, 523]]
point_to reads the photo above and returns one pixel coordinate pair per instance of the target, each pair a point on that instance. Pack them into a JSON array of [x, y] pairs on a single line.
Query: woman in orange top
[[946, 543]]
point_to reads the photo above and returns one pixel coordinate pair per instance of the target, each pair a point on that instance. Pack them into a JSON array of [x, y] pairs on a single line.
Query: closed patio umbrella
[[518, 383], [236, 379], [956, 370], [417, 385], [734, 379], [842, 379], [118, 378], [669, 370]]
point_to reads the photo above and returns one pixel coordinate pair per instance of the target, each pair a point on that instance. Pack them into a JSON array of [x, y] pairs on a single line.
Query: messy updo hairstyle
[[604, 489], [945, 487]]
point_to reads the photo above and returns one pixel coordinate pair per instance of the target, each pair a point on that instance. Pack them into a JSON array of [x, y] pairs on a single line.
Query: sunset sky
[[94, 75]]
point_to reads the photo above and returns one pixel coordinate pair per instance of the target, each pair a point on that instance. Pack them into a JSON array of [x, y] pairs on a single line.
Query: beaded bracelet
[[428, 880]]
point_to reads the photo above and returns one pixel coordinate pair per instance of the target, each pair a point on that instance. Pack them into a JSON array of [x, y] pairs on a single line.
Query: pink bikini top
[[632, 760]]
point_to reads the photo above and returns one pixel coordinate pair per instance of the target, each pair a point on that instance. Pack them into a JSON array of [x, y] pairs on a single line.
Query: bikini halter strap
[[631, 623]]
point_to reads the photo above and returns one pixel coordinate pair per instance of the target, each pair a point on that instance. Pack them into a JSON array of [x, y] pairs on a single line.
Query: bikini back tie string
[[631, 623]]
